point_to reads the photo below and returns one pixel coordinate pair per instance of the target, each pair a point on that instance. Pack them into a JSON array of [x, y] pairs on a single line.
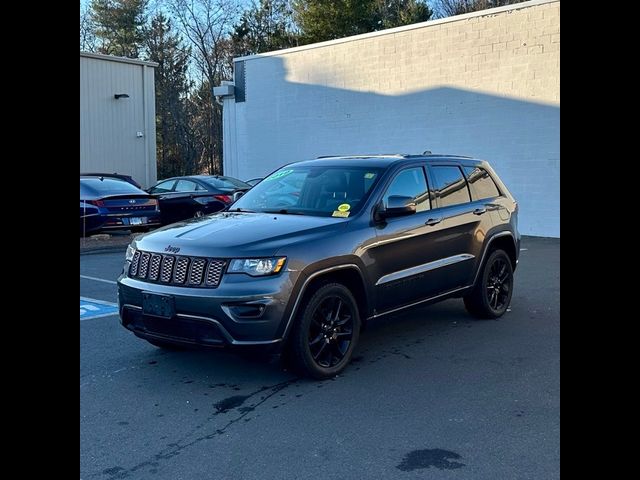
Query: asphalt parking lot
[[431, 393]]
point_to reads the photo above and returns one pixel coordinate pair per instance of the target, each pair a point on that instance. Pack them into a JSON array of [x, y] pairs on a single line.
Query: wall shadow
[[281, 121]]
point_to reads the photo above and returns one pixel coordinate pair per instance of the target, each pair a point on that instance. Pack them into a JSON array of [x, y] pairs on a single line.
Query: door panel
[[462, 230], [400, 260]]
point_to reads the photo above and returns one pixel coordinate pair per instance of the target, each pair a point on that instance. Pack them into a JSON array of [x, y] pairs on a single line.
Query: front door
[[402, 248]]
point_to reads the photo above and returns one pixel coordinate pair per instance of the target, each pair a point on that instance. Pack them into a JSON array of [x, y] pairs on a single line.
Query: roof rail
[[368, 155]]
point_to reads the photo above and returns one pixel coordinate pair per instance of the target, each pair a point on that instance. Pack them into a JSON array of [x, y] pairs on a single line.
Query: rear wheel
[[198, 214], [325, 332], [492, 293]]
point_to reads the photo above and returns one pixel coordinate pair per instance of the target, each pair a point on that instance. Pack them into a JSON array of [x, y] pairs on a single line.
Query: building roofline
[[391, 31], [113, 58]]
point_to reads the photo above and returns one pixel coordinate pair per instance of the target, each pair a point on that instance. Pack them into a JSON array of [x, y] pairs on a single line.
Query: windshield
[[225, 182], [312, 190]]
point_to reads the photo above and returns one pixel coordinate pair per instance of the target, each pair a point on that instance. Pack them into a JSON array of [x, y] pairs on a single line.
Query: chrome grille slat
[[167, 268], [180, 271], [196, 271], [177, 270], [135, 261], [214, 273], [154, 266], [144, 265]]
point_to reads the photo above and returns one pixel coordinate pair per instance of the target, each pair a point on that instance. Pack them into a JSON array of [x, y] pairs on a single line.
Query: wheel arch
[[349, 275], [501, 240]]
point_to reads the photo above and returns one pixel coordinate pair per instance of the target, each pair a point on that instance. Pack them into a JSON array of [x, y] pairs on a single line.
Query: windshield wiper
[[283, 211], [243, 210]]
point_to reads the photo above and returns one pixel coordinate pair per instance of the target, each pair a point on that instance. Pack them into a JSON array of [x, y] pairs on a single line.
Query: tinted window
[[225, 182], [410, 183], [481, 183], [163, 187], [106, 186], [450, 186], [185, 186], [312, 190]]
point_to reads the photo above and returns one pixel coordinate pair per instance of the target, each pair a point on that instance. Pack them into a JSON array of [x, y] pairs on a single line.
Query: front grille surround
[[177, 269]]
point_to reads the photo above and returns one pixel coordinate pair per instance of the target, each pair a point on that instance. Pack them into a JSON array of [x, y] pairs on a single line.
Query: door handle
[[480, 211], [433, 221]]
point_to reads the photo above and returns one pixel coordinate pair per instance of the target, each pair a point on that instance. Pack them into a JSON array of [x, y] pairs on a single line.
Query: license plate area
[[158, 305], [136, 220]]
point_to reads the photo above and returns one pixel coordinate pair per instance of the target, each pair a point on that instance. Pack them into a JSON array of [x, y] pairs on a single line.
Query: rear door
[[462, 225]]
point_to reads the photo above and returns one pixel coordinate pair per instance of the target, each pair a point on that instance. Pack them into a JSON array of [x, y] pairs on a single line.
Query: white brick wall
[[484, 84]]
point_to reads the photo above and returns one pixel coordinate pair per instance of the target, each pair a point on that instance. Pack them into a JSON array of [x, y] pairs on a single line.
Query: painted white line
[[101, 302], [99, 316], [87, 277], [522, 250]]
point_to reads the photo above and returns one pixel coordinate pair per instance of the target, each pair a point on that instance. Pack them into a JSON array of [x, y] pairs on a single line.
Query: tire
[[165, 345], [491, 295], [325, 332], [198, 214]]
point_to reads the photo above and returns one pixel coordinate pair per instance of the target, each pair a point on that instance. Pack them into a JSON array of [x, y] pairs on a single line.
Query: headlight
[[130, 252], [257, 266]]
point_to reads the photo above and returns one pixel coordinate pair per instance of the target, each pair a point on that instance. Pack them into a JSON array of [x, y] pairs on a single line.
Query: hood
[[238, 234]]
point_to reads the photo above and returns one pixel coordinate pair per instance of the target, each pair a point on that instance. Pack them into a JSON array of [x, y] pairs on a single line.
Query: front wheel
[[492, 293], [325, 333]]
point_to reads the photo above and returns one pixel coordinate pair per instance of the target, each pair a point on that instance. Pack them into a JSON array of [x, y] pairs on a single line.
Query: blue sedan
[[114, 204]]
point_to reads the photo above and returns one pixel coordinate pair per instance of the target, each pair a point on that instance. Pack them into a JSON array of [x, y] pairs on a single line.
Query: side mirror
[[398, 206], [236, 196]]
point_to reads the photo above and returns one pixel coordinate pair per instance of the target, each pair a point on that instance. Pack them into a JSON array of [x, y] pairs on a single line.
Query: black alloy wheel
[[325, 332], [491, 295]]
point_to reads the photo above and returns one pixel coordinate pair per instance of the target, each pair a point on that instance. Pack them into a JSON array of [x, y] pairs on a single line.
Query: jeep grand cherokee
[[306, 257]]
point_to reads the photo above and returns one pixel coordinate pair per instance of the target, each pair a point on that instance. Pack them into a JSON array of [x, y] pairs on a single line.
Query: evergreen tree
[[119, 26], [321, 20], [265, 26], [174, 148]]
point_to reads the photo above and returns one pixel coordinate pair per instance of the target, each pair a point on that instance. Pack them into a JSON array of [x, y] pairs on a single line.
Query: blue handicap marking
[[90, 308]]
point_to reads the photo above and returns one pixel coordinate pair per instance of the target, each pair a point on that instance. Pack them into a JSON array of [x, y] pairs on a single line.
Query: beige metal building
[[117, 116]]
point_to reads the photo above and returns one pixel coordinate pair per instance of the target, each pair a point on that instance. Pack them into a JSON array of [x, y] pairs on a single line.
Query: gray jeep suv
[[319, 247]]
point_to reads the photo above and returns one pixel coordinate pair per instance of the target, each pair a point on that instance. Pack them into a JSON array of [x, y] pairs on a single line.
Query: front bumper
[[241, 311]]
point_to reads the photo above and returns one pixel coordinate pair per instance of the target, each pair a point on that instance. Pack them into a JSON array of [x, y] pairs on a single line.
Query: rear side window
[[185, 186], [449, 185], [410, 183], [481, 183]]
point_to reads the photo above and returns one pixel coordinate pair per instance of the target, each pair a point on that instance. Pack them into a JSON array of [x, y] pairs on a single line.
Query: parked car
[[112, 203], [126, 178], [254, 181], [360, 238], [196, 195]]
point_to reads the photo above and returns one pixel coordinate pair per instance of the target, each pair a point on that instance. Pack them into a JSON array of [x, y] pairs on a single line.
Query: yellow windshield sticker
[[369, 175], [338, 213], [345, 207]]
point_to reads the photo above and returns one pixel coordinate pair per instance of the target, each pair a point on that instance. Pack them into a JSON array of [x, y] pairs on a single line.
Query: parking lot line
[[87, 277]]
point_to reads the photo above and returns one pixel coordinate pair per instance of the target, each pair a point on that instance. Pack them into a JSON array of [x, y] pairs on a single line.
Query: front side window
[[449, 185], [312, 190], [410, 183], [481, 183]]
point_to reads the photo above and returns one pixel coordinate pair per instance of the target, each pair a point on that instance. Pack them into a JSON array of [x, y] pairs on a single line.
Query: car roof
[[386, 160]]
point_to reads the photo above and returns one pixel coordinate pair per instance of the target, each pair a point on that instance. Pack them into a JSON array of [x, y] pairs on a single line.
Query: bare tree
[[206, 25], [447, 8], [87, 30]]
